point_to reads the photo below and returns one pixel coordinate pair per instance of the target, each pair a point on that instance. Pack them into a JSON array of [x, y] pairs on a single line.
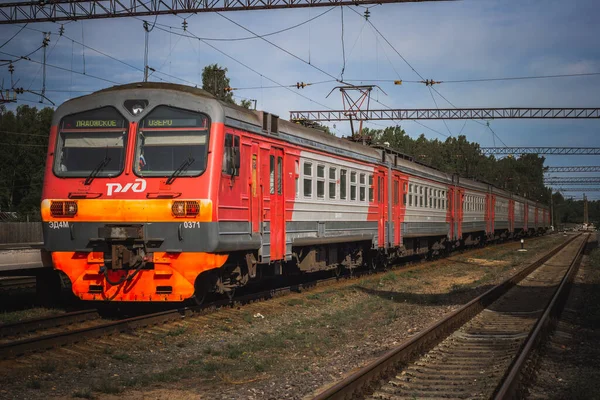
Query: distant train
[[160, 192]]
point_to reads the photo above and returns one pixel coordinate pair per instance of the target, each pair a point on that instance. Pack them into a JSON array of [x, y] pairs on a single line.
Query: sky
[[442, 41]]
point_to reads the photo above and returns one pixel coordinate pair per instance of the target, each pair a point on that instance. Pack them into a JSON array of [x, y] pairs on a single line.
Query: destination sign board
[[96, 123], [170, 122]]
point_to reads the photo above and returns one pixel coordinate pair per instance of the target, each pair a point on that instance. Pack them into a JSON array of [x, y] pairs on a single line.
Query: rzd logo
[[138, 186]]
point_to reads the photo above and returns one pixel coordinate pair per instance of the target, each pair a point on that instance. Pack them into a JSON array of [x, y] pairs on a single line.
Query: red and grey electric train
[[160, 192]]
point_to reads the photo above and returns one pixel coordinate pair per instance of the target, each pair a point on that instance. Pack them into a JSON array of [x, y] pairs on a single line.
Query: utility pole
[[585, 211], [45, 44], [552, 210], [147, 30]]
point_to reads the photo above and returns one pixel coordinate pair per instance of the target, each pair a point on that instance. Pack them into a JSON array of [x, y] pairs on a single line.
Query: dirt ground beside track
[[569, 365], [285, 348]]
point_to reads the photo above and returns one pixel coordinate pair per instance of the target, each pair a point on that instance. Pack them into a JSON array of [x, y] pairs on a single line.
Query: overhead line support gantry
[[70, 10], [446, 113]]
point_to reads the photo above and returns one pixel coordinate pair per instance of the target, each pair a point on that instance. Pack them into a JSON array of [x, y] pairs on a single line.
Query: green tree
[[216, 82]]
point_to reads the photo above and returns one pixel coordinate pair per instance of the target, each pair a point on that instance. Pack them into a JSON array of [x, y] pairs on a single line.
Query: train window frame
[[231, 155], [321, 182], [59, 146], [353, 194], [371, 190], [307, 179], [343, 184], [362, 190], [332, 186], [140, 129]]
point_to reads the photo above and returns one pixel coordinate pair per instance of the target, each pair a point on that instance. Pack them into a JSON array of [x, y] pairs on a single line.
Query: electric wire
[[13, 36], [247, 37], [343, 46]]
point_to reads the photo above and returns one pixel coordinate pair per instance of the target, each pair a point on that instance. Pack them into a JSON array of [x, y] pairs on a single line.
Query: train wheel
[[230, 294], [202, 287], [337, 271]]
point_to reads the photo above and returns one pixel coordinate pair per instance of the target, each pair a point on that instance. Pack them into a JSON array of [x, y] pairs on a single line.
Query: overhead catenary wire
[[242, 38]]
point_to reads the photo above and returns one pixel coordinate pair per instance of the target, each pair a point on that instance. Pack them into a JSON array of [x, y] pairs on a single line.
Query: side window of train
[[308, 179], [353, 185], [404, 194], [332, 182], [362, 182], [410, 195], [370, 188], [231, 155], [343, 183], [320, 181], [297, 180]]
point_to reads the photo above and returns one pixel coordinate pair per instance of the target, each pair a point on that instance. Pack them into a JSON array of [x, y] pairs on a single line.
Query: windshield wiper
[[184, 165], [97, 170]]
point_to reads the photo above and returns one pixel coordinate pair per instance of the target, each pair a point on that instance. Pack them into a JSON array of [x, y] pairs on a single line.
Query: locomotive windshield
[[172, 142], [91, 141]]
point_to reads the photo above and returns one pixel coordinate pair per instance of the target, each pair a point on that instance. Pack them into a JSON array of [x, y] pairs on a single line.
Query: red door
[[255, 206], [277, 204], [381, 206]]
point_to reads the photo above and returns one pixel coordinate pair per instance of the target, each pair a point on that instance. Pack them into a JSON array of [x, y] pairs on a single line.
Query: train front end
[[127, 202]]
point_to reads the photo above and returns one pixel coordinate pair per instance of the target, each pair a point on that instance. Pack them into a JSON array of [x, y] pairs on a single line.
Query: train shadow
[[458, 296]]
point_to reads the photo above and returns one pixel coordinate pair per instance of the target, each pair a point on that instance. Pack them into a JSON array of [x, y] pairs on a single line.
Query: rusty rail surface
[[362, 380], [512, 381]]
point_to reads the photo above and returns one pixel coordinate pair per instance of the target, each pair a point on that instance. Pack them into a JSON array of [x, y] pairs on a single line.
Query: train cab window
[[308, 179], [353, 186], [320, 181], [91, 142], [370, 187], [174, 142], [404, 194], [231, 155], [332, 183], [343, 184], [396, 194]]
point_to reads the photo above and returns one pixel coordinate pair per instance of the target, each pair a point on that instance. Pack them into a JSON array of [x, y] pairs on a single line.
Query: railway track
[[42, 334], [478, 351], [11, 283]]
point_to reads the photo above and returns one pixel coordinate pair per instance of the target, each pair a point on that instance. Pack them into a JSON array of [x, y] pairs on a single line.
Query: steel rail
[[361, 380], [511, 383], [16, 282], [30, 325]]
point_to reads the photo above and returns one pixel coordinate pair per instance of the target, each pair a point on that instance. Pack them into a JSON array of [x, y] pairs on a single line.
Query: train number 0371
[[191, 224]]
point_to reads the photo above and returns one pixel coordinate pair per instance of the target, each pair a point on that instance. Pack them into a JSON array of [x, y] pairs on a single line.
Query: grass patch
[[177, 331], [294, 302], [82, 394], [108, 387], [21, 315], [389, 277], [48, 367], [34, 384], [247, 317], [314, 296], [122, 357]]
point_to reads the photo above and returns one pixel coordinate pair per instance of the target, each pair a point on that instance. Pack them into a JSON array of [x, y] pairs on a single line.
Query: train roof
[[253, 120]]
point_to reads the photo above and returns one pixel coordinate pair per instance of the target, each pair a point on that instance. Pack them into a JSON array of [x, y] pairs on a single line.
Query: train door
[[381, 207], [396, 212], [255, 190], [451, 213], [525, 216], [277, 204], [460, 201]]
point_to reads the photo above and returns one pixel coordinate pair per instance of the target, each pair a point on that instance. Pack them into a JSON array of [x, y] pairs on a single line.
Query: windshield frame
[[137, 146], [59, 145]]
